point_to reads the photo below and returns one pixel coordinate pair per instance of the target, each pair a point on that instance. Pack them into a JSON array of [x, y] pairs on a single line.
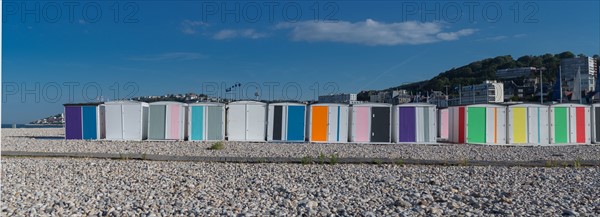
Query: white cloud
[[225, 34], [496, 38], [179, 56], [243, 33], [519, 35], [502, 37], [190, 27], [371, 32], [451, 36]]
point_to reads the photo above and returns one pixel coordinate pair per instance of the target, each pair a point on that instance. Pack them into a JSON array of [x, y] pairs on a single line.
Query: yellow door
[[519, 133]]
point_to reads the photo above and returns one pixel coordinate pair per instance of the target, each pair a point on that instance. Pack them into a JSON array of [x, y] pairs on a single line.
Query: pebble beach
[[43, 186], [52, 140], [100, 187]]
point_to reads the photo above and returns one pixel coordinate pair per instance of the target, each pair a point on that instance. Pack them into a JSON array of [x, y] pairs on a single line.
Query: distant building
[[401, 96], [349, 98], [511, 90], [381, 97], [487, 92], [392, 97], [439, 99], [588, 68], [515, 73]]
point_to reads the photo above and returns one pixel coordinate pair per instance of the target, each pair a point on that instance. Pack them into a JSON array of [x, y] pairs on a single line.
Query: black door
[[380, 124], [277, 122]]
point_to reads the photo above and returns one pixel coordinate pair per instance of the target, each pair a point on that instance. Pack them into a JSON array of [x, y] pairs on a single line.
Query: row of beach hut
[[520, 124], [252, 121], [492, 124]]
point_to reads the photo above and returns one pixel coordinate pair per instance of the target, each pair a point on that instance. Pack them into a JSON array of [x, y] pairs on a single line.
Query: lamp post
[[542, 85], [459, 95]]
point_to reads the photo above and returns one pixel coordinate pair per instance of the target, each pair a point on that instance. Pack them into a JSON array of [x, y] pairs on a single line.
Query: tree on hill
[[479, 71]]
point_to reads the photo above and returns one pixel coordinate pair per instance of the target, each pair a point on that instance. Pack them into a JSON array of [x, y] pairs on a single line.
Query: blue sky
[[187, 46]]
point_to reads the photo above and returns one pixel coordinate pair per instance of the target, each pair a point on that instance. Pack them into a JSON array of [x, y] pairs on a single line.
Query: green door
[[476, 125], [215, 123], [157, 117], [560, 125]]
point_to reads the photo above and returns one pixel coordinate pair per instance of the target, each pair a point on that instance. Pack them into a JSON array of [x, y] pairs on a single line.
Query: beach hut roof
[[287, 103], [568, 105], [248, 102], [372, 105], [527, 105], [167, 103], [416, 105], [206, 104], [84, 104], [329, 104], [130, 102], [487, 105]]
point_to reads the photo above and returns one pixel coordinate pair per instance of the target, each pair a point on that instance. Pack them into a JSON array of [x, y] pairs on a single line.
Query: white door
[[491, 125], [255, 122], [236, 122], [343, 126], [332, 126], [419, 124], [572, 124], [114, 127], [533, 134], [588, 126], [544, 126], [432, 125], [270, 126], [132, 122], [501, 131]]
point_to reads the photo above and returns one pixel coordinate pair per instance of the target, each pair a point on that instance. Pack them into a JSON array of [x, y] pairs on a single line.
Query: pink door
[[361, 118], [444, 123], [175, 121]]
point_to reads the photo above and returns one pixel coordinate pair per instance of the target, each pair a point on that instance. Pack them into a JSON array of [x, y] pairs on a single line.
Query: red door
[[461, 124], [580, 126]]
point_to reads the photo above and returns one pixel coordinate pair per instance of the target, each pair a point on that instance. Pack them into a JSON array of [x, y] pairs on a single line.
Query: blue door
[[197, 123], [90, 122], [295, 130]]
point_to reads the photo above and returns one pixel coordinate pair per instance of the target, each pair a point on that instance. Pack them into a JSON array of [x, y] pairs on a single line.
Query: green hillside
[[479, 71]]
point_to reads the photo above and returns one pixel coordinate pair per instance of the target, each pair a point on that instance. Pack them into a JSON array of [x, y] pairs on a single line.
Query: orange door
[[319, 123]]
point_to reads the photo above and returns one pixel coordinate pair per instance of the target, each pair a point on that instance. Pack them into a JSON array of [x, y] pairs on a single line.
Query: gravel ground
[[50, 140], [63, 186]]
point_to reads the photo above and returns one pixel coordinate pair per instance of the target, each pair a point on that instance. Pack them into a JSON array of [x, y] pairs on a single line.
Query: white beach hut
[[84, 121], [328, 123], [126, 120], [414, 123], [286, 122], [206, 122], [528, 124], [570, 124], [246, 121], [595, 112], [370, 123], [478, 124], [166, 120]]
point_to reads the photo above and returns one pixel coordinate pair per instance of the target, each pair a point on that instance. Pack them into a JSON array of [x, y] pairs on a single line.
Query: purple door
[[406, 124], [73, 122]]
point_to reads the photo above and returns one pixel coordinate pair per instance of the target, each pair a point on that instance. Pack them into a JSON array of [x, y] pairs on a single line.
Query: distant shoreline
[[32, 125], [44, 125]]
